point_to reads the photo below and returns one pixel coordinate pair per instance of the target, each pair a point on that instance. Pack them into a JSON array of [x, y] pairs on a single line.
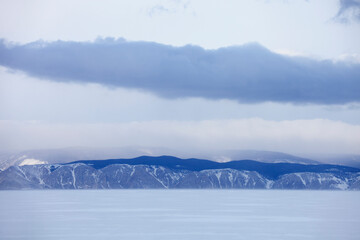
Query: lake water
[[179, 214]]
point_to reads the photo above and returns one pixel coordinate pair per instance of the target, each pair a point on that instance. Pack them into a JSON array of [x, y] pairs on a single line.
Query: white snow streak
[[74, 177], [302, 180]]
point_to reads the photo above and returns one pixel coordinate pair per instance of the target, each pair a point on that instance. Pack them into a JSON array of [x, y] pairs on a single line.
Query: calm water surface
[[179, 214]]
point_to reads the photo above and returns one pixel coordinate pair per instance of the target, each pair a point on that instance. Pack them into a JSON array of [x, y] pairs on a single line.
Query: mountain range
[[64, 155], [172, 172]]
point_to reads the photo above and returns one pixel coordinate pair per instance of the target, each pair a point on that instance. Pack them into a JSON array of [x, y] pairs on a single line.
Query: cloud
[[349, 9], [297, 136], [248, 73], [159, 9], [168, 7]]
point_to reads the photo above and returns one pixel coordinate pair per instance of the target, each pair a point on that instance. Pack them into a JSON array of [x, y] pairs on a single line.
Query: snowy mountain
[[261, 156], [65, 155], [351, 160], [171, 172]]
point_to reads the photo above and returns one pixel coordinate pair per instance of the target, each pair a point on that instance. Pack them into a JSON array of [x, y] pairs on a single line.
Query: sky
[[274, 75]]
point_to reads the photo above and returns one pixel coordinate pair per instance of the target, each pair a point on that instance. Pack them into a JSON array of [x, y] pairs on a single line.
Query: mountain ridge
[[272, 170]]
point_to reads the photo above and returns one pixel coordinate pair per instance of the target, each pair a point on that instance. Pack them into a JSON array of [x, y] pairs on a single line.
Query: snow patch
[[342, 186], [32, 161], [222, 159], [269, 184]]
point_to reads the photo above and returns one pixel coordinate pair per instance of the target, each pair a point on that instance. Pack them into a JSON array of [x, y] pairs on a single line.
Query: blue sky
[[267, 75]]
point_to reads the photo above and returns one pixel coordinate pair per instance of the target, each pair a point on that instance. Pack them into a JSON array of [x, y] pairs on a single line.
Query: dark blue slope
[[274, 170], [191, 164], [269, 170]]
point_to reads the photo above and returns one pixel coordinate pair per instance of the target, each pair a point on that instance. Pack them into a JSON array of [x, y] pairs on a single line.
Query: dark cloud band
[[248, 73]]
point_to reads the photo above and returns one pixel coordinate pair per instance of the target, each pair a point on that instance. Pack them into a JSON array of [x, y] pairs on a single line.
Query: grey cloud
[[349, 9], [248, 73]]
